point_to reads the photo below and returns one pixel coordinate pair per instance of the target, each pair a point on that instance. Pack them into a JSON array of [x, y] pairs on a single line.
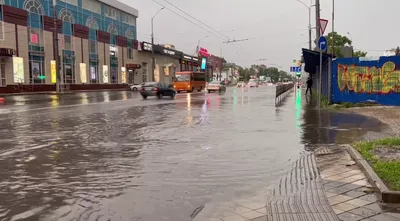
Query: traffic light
[[298, 74]]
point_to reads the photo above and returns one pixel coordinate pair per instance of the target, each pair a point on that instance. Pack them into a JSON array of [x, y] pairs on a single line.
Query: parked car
[[157, 89], [253, 83], [241, 84], [216, 86], [136, 87]]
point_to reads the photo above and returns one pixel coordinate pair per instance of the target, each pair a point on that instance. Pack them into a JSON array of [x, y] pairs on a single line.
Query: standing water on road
[[134, 159]]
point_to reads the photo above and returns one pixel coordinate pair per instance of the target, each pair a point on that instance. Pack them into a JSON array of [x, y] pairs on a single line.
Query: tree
[[397, 51], [359, 54], [338, 42]]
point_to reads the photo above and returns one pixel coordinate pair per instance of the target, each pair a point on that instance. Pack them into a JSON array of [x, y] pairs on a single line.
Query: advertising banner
[[92, 73], [123, 75], [82, 67], [157, 73], [18, 69], [53, 71], [105, 74]]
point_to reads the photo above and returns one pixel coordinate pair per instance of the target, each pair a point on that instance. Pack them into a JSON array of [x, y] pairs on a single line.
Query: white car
[[136, 87], [253, 83]]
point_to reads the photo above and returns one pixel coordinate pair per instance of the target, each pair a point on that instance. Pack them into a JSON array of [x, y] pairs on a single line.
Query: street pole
[[317, 17], [333, 27], [319, 77], [309, 23], [55, 51], [153, 60], [309, 28]]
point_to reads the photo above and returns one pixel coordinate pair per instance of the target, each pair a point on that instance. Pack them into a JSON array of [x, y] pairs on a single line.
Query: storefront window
[[93, 47], [114, 75], [69, 76], [68, 42], [94, 73], [130, 53], [2, 73], [36, 65], [35, 37]]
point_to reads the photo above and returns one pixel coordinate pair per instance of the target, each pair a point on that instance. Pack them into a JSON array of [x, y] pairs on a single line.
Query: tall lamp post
[[198, 42], [153, 60], [309, 23]]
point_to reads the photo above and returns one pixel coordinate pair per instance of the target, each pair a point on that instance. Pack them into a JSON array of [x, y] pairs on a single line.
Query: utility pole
[[317, 17], [153, 60], [55, 51], [309, 28], [333, 27]]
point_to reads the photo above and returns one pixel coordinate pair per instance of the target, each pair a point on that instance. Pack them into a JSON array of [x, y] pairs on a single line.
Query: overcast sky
[[277, 28]]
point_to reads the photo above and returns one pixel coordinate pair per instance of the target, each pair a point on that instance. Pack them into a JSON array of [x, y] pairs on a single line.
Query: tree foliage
[[359, 54], [263, 70], [338, 42]]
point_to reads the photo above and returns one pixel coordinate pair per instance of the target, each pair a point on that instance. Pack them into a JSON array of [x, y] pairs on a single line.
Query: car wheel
[[201, 88], [160, 96], [209, 91], [144, 97], [179, 92], [134, 89], [173, 95]]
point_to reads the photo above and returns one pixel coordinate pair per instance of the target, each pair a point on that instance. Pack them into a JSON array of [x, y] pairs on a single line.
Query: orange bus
[[189, 81]]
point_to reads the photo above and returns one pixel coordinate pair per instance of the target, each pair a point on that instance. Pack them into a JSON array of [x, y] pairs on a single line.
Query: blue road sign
[[295, 69], [322, 43]]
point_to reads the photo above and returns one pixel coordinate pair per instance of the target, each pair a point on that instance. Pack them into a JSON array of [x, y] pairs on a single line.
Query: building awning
[[311, 60], [170, 65]]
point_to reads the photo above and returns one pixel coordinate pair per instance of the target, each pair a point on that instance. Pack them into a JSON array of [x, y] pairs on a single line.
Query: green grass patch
[[387, 169]]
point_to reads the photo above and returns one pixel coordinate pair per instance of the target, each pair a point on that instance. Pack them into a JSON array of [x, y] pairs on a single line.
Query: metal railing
[[281, 91]]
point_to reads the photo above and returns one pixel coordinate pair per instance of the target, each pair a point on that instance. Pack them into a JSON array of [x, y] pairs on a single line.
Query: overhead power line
[[196, 19], [188, 20], [222, 38]]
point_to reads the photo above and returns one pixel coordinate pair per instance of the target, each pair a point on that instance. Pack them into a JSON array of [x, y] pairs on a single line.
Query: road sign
[[322, 43], [295, 69], [323, 23]]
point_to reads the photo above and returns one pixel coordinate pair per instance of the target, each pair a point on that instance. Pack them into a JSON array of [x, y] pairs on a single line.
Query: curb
[[385, 195]]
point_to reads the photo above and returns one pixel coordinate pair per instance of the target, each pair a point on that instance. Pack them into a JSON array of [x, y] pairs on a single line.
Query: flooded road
[[114, 156]]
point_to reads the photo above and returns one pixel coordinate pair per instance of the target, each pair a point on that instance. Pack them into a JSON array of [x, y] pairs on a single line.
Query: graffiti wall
[[357, 80]]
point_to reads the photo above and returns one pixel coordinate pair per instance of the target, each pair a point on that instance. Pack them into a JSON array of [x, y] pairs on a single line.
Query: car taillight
[[142, 89], [155, 89]]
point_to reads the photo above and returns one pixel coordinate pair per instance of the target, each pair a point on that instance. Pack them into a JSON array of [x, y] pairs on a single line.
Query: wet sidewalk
[[299, 195], [348, 190]]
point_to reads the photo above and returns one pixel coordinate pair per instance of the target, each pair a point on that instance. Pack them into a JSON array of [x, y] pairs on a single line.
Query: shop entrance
[[132, 70]]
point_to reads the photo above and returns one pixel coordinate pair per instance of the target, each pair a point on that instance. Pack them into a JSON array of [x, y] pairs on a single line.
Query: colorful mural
[[357, 80]]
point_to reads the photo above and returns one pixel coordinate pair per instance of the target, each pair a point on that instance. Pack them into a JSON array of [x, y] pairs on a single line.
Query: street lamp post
[[153, 61], [198, 42], [309, 23]]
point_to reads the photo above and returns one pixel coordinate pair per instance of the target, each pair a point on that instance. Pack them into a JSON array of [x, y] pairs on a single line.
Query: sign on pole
[[295, 69], [322, 43], [323, 23]]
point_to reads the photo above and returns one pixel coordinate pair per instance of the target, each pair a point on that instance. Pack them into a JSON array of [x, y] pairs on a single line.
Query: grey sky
[[279, 27]]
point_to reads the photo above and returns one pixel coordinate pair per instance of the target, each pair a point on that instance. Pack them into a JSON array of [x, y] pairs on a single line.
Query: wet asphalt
[[114, 156]]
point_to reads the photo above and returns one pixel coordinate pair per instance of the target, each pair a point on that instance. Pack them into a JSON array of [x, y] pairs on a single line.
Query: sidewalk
[[349, 193], [325, 185], [299, 196]]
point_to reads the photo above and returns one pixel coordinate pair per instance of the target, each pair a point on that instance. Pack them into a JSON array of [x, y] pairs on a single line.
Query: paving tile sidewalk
[[349, 192], [325, 185], [299, 196]]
